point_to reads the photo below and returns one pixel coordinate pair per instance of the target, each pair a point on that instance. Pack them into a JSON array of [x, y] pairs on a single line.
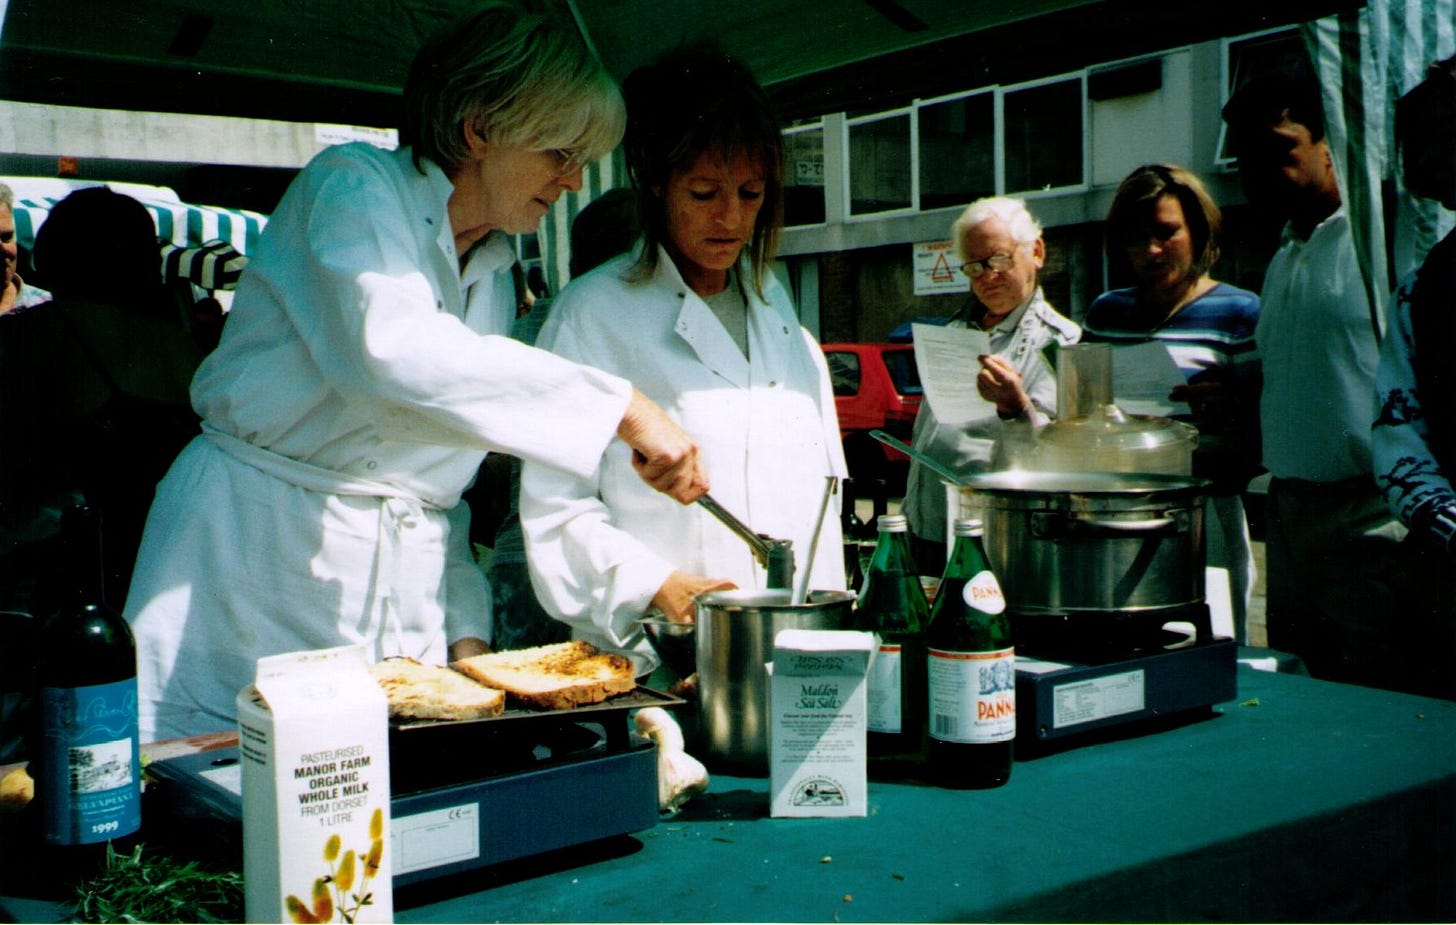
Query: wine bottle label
[[882, 695], [972, 696], [91, 763], [983, 593]]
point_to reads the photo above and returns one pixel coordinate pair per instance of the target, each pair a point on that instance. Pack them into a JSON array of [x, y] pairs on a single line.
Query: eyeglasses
[[567, 162], [975, 269]]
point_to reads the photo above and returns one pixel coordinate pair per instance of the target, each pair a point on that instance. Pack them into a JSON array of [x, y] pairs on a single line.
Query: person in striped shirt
[[1164, 224]]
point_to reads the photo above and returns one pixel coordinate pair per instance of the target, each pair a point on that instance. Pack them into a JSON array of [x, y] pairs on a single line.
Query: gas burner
[[1084, 677], [1106, 636]]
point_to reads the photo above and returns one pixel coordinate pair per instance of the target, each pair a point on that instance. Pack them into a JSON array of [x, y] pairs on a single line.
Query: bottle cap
[[970, 526], [892, 523]]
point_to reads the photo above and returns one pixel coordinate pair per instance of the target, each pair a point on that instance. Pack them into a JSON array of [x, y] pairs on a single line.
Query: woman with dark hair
[[1414, 439], [364, 374], [1165, 226], [696, 316]]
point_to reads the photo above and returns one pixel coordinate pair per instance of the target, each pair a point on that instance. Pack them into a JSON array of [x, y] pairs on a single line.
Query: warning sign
[[937, 269]]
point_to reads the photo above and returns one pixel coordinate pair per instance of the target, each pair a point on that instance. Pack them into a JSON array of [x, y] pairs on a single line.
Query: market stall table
[[1301, 800]]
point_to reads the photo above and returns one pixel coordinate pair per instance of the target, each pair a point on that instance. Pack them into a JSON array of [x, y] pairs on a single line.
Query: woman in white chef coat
[[696, 317], [364, 374]]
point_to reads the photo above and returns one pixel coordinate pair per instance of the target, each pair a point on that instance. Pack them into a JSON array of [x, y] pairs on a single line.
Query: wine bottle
[[892, 605], [87, 762], [971, 668]]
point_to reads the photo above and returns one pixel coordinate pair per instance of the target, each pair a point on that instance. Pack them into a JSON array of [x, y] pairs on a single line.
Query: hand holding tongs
[[777, 556]]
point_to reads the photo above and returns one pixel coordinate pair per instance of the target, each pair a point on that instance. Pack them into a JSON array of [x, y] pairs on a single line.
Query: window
[[804, 175], [844, 372], [880, 175], [946, 152], [1044, 136], [957, 150], [1248, 56], [903, 371]]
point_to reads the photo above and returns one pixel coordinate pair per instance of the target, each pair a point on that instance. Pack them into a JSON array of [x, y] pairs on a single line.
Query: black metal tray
[[428, 754], [591, 712]]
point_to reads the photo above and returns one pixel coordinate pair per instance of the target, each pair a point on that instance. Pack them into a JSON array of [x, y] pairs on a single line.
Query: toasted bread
[[554, 677], [419, 691]]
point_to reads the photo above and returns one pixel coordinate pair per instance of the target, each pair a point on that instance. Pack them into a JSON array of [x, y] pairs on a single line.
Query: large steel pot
[[735, 639], [1079, 543]]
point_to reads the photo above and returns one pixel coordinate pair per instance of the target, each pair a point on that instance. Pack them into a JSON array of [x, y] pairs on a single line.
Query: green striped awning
[[183, 224]]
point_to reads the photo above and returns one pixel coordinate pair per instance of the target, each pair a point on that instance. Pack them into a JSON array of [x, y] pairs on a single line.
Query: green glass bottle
[[892, 605], [971, 669]]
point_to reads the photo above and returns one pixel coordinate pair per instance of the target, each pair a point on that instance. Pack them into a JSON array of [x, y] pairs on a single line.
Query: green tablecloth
[[1299, 801]]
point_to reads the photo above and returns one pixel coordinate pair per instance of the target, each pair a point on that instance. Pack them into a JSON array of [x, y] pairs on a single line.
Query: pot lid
[[1109, 427], [1020, 481]]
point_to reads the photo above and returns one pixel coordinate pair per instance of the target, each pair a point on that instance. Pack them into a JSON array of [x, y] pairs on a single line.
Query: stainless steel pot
[[1077, 543], [735, 637]]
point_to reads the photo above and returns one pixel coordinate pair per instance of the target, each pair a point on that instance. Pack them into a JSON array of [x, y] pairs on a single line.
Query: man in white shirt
[[1331, 543]]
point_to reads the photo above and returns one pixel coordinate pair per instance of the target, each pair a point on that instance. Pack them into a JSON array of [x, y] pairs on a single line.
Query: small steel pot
[[736, 631], [1078, 543]]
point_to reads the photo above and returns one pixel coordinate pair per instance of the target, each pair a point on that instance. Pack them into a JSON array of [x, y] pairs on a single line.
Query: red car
[[876, 387]]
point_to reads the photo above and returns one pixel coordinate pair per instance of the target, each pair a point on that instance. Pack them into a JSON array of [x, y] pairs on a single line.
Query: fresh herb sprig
[[158, 889]]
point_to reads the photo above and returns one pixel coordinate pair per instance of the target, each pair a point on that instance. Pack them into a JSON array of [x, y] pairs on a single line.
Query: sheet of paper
[[948, 360], [1142, 376]]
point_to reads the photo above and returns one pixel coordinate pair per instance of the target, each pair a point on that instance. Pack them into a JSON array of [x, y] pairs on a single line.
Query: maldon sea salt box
[[817, 722]]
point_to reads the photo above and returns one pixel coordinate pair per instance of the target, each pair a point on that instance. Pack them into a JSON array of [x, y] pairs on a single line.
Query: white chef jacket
[[600, 546], [358, 386]]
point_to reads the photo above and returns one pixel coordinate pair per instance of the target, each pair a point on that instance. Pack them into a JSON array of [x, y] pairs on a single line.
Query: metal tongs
[[777, 556]]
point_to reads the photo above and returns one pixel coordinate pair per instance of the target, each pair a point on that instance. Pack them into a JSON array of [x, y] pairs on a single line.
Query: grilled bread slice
[[555, 677], [419, 691]]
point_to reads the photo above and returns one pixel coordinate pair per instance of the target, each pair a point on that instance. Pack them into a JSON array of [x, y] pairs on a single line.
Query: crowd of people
[[303, 486]]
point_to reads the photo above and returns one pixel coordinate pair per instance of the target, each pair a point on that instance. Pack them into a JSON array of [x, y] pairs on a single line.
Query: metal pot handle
[[1046, 525]]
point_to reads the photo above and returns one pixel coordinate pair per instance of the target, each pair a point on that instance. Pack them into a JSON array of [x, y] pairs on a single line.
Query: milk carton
[[817, 722], [313, 736]]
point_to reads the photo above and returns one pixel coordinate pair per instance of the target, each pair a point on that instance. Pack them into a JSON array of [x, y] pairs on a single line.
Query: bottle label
[[92, 763], [972, 696], [983, 593], [882, 694]]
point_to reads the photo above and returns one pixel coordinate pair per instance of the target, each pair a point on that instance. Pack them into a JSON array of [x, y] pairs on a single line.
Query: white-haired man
[[1001, 248]]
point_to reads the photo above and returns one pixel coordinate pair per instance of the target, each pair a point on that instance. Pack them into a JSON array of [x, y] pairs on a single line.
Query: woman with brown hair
[[696, 316], [1166, 227]]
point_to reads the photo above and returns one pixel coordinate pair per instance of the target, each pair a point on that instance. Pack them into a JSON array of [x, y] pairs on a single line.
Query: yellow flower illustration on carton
[[334, 892]]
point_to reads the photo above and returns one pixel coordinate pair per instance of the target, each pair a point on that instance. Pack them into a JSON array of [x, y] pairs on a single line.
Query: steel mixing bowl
[[675, 643]]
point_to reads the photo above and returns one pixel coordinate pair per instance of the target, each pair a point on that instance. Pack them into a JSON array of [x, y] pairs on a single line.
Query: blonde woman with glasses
[[363, 375]]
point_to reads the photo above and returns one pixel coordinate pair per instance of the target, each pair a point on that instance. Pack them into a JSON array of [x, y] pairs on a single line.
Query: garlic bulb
[[680, 776]]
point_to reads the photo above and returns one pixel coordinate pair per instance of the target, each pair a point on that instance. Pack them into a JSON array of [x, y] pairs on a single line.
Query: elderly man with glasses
[[1002, 249]]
